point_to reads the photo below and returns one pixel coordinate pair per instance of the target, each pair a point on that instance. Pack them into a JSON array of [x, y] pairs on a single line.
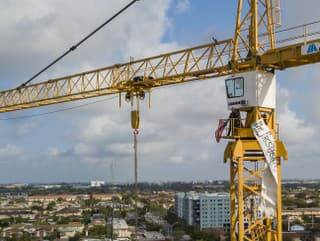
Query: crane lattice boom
[[201, 62]]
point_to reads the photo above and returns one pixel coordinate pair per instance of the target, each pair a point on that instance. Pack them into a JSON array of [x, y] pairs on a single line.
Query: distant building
[[67, 212], [178, 203], [191, 209], [69, 230], [297, 228], [204, 209], [215, 210], [121, 228], [51, 186], [98, 219], [7, 213], [151, 236], [97, 183], [51, 198]]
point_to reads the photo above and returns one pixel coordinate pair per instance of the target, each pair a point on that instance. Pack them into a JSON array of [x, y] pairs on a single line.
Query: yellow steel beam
[[290, 56], [201, 62]]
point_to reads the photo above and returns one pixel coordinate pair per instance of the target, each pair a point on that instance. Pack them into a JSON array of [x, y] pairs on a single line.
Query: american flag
[[219, 130]]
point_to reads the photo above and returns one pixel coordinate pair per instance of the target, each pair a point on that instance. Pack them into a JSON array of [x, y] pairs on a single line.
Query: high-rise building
[[208, 210], [191, 209], [215, 210], [178, 203]]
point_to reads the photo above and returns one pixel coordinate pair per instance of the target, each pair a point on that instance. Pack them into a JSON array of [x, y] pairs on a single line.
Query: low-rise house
[[121, 228], [17, 230], [6, 213], [106, 197], [97, 219], [51, 198], [67, 212], [8, 233], [154, 218], [43, 232], [70, 230], [151, 236]]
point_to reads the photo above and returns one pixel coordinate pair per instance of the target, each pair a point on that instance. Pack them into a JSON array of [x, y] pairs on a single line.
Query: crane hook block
[[135, 119]]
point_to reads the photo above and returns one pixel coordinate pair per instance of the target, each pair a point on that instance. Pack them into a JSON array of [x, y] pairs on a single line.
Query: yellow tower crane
[[250, 60]]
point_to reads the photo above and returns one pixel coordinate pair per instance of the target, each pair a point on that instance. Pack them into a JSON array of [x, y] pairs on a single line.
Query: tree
[[37, 208], [86, 217], [20, 200], [75, 238], [152, 227], [25, 237], [91, 202], [127, 198], [51, 206], [98, 230], [4, 223], [63, 220], [178, 233], [54, 235]]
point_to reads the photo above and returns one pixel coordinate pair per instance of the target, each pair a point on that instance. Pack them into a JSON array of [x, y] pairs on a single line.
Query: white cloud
[[295, 130], [299, 132], [183, 6], [10, 152], [83, 149], [41, 30], [177, 159], [53, 152], [176, 138]]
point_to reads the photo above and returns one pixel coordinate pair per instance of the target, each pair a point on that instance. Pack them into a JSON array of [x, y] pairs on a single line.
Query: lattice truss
[[245, 195], [205, 61]]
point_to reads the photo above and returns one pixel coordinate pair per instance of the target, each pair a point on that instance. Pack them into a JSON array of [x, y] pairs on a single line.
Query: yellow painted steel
[[201, 62], [253, 17], [253, 47], [247, 164]]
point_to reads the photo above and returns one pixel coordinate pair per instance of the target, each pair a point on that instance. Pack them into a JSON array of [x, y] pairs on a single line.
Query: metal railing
[[232, 127]]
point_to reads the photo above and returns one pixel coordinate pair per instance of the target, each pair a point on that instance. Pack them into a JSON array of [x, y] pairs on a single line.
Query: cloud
[[183, 6], [298, 124], [293, 129], [176, 140], [42, 30], [10, 152]]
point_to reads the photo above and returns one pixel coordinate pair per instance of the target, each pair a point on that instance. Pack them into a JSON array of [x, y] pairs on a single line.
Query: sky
[[176, 139]]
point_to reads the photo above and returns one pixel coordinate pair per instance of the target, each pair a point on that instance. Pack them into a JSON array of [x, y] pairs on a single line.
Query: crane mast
[[255, 211], [250, 60]]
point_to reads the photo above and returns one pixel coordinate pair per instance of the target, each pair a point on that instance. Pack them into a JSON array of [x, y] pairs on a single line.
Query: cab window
[[235, 87]]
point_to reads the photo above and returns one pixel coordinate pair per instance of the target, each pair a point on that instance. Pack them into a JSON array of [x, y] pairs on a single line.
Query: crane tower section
[[254, 152]]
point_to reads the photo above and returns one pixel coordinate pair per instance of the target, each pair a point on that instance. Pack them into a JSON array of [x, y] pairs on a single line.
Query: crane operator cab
[[245, 92]]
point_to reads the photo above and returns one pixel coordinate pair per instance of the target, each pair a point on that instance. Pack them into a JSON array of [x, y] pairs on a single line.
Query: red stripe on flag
[[219, 130]]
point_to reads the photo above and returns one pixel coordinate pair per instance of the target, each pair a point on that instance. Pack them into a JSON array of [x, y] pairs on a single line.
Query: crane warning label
[[311, 48]]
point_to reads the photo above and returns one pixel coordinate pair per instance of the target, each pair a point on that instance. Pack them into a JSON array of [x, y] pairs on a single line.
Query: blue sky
[[176, 140]]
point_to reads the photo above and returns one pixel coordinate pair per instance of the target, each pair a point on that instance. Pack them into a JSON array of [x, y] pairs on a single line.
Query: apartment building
[[208, 210]]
